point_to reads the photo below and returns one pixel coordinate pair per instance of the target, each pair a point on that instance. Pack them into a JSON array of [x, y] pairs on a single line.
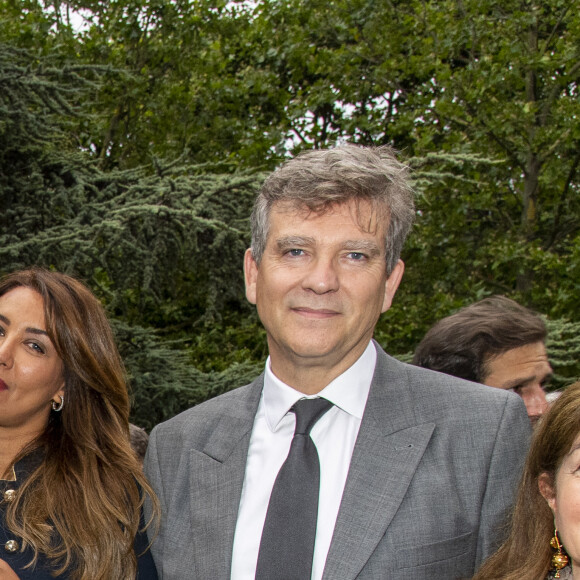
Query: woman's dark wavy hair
[[81, 508]]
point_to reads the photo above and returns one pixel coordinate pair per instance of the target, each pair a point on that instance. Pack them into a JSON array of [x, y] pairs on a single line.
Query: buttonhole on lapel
[[410, 446]]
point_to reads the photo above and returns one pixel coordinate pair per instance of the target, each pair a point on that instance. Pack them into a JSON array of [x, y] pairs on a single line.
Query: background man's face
[[526, 371], [321, 286]]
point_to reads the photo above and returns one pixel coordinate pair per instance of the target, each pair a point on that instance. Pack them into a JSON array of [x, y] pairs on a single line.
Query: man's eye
[[356, 255], [295, 252]]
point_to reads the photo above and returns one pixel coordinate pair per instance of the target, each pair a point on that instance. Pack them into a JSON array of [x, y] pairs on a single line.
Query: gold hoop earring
[[559, 558], [56, 406]]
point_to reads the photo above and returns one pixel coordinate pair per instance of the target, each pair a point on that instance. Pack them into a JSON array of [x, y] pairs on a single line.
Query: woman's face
[[564, 501], [31, 372]]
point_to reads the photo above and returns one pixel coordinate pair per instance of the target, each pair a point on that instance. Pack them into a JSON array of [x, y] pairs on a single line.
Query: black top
[[10, 546]]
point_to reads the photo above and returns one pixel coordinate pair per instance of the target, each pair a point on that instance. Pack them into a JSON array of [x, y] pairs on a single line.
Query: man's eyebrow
[[292, 241], [525, 380], [368, 246], [365, 245], [518, 382]]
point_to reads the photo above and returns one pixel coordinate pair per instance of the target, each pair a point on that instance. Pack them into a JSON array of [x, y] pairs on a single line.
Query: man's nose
[[322, 276], [535, 400]]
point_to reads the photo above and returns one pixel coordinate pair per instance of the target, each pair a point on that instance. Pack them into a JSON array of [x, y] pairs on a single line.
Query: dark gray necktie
[[287, 544]]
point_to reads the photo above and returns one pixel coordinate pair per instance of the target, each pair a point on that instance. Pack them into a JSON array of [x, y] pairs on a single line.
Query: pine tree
[[563, 346], [161, 246]]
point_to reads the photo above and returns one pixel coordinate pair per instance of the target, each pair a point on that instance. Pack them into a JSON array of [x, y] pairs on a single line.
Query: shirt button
[[9, 495], [11, 546]]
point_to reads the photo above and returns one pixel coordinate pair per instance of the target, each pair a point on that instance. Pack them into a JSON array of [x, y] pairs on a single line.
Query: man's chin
[[534, 419]]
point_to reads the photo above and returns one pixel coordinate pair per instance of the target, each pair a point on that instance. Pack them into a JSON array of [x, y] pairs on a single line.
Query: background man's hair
[[318, 179], [139, 441], [464, 343]]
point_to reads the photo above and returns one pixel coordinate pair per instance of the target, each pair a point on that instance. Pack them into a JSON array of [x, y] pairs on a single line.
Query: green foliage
[[131, 148], [165, 381], [186, 89], [563, 347], [162, 247]]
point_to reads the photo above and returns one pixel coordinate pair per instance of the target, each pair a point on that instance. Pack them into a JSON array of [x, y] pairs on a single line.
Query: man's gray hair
[[317, 179]]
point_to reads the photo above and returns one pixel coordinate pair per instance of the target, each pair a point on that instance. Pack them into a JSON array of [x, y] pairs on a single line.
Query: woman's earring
[[58, 407], [559, 558]]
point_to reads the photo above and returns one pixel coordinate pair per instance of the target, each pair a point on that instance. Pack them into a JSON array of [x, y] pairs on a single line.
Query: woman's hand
[[6, 573]]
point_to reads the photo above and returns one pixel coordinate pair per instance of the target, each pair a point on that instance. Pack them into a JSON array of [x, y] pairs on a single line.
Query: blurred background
[[134, 135]]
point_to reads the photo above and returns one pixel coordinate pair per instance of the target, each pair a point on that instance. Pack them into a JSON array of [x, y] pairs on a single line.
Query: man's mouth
[[315, 312]]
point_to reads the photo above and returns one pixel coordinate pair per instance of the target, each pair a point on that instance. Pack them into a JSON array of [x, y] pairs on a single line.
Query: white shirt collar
[[349, 391]]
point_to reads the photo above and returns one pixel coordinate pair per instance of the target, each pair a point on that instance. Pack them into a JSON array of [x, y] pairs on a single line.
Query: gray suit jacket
[[434, 469]]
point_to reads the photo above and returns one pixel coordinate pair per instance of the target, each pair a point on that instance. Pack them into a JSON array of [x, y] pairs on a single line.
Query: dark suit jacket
[[42, 570], [434, 469]]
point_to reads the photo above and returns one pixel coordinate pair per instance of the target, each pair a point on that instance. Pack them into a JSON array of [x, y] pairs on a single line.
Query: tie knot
[[308, 411]]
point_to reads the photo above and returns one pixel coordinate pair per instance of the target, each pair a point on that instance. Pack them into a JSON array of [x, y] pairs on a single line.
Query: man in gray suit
[[414, 470]]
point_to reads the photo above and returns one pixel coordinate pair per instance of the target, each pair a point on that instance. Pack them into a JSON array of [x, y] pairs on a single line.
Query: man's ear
[[250, 275], [546, 487], [391, 285]]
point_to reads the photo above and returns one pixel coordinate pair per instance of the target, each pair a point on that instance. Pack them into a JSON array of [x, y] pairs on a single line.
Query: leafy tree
[[130, 150], [505, 86]]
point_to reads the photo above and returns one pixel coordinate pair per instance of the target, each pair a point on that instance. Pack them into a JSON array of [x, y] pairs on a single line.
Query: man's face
[[320, 288], [526, 371]]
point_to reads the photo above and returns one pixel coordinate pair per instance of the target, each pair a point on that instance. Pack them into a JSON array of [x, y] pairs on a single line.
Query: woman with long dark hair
[[71, 488]]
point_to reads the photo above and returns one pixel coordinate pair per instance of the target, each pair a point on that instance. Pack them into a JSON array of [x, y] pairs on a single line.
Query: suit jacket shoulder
[[196, 463], [433, 473], [199, 423]]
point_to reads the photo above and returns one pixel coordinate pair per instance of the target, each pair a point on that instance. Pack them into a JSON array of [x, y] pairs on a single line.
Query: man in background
[[139, 441], [496, 342]]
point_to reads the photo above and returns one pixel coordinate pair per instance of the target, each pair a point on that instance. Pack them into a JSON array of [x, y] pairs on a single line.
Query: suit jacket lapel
[[387, 452], [217, 476]]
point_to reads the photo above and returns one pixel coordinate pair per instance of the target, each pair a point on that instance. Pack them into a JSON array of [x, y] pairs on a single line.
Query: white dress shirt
[[334, 435]]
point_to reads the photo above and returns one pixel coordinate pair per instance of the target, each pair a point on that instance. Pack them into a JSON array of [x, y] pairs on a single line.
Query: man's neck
[[308, 377]]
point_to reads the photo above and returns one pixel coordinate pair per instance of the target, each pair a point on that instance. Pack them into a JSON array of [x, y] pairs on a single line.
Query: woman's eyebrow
[[36, 331], [30, 329]]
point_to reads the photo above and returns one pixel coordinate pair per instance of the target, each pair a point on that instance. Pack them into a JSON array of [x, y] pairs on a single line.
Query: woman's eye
[[36, 347]]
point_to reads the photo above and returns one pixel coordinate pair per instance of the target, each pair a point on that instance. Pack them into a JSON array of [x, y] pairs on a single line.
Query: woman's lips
[[3, 386]]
